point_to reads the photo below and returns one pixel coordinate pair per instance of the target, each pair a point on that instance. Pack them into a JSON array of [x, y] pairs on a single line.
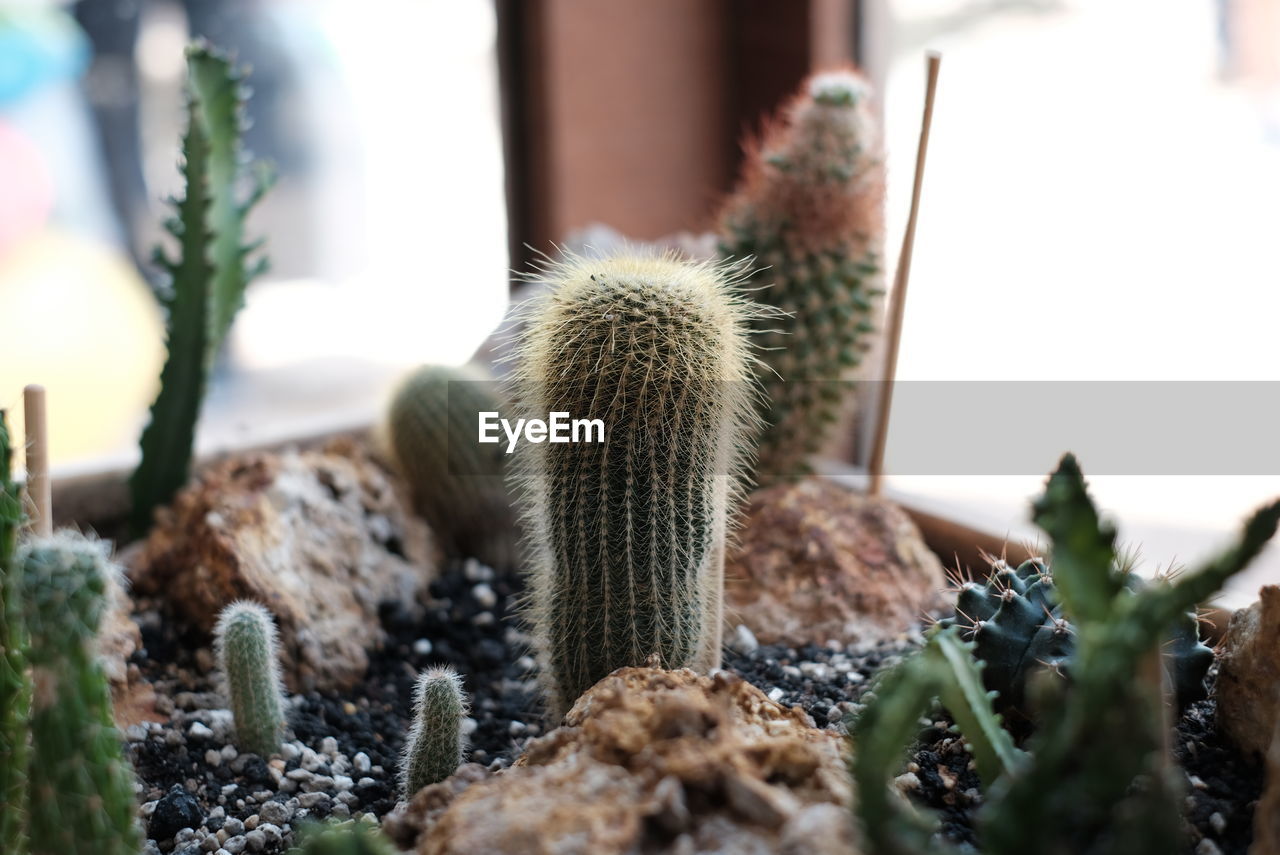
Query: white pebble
[[744, 640], [775, 694], [422, 647], [213, 758], [469, 726], [329, 746], [199, 731], [361, 763], [229, 753], [484, 595]]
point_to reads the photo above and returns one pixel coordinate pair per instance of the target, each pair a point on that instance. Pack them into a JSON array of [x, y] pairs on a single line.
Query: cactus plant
[[248, 659], [81, 795], [1096, 778], [352, 837], [457, 483], [207, 279], [15, 688], [1016, 619], [809, 209], [628, 534], [436, 744]]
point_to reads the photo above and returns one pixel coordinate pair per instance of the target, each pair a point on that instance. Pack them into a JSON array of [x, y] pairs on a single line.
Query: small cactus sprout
[[809, 209], [352, 837], [246, 647], [457, 483], [436, 745], [81, 786], [628, 534], [15, 688]]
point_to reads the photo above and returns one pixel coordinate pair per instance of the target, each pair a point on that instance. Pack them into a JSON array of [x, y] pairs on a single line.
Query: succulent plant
[[81, 796], [249, 660], [1096, 777], [436, 744], [15, 688], [628, 534], [809, 209], [457, 483], [208, 278], [1017, 621], [351, 837]]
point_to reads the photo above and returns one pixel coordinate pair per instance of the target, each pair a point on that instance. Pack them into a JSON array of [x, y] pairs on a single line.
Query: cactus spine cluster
[[81, 795], [809, 208], [15, 689], [208, 278], [457, 483], [628, 535], [1017, 621], [246, 649], [436, 745], [352, 837], [1095, 778]]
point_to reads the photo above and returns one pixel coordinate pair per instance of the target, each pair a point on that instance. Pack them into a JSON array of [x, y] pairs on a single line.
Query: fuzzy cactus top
[[809, 210]]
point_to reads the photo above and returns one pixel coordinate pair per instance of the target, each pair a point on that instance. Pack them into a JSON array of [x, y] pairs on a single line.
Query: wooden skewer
[[898, 299], [37, 441]]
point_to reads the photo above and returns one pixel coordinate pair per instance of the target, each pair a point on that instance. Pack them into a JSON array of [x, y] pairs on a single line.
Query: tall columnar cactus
[[628, 534], [351, 837], [208, 278], [436, 744], [249, 661], [80, 786], [457, 483], [15, 688], [1017, 621], [1095, 778], [809, 208]]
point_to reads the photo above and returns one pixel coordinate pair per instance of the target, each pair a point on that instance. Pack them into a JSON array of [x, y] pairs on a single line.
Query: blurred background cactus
[[628, 535], [207, 278], [810, 210], [249, 662], [15, 689], [436, 745], [1097, 778], [458, 485], [81, 789]]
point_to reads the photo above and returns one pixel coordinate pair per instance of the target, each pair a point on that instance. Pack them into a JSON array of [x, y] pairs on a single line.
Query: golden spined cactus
[[810, 209], [627, 535]]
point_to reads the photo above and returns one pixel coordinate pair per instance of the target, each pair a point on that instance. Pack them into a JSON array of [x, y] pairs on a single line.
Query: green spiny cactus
[[628, 535], [1017, 622], [208, 277], [809, 208], [944, 669], [457, 483], [436, 745], [15, 688], [1096, 778], [352, 837], [246, 649], [80, 785]]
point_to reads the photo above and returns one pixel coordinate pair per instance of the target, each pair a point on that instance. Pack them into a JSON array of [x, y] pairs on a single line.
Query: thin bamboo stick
[[37, 445]]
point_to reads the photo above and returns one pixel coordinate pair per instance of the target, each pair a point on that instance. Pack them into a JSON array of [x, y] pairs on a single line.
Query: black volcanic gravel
[[358, 735]]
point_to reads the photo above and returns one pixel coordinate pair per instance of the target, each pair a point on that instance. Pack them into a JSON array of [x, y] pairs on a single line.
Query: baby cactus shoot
[[436, 745], [247, 654]]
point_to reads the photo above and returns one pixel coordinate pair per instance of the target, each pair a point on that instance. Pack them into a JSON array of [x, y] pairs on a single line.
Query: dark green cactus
[[352, 837], [457, 483], [1097, 778], [249, 661], [628, 535], [207, 279], [436, 744], [1018, 623], [81, 796], [809, 208], [15, 688]]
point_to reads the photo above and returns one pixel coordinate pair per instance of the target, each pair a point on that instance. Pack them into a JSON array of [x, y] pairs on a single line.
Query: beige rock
[[652, 761], [1248, 688], [132, 698], [817, 561], [1266, 816], [321, 538]]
